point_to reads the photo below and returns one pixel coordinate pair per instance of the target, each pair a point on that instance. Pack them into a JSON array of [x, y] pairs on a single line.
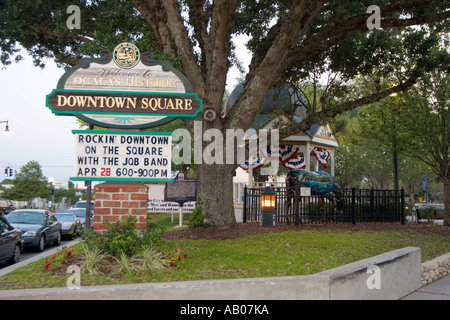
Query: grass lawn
[[288, 253]]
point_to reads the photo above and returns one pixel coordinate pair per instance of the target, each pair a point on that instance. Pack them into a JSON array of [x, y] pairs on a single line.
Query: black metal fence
[[330, 206]]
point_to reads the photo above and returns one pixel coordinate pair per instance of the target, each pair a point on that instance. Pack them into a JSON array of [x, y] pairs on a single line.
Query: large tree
[[29, 183], [289, 39]]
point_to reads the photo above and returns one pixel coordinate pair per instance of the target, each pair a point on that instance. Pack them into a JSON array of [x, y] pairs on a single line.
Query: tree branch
[[342, 31], [260, 79], [350, 105]]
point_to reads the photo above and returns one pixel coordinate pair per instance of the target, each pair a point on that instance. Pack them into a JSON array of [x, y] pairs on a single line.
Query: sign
[[156, 203], [305, 192], [125, 103], [122, 156], [124, 90], [181, 190]]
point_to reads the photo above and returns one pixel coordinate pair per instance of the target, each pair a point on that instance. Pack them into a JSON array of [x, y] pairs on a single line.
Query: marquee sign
[[122, 156], [124, 90]]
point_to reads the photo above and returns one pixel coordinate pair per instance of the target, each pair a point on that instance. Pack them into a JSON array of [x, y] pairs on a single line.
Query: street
[[28, 253]]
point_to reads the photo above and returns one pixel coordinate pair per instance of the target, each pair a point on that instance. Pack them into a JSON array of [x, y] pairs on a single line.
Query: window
[[4, 227]]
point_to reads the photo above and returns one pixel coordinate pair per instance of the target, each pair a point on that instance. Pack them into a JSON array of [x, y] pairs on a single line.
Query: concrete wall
[[399, 274]]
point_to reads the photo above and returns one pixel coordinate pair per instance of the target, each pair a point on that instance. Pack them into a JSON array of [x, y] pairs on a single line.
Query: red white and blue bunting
[[322, 156], [288, 156]]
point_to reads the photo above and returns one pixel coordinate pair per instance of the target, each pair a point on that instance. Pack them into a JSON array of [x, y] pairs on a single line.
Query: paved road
[[30, 255]]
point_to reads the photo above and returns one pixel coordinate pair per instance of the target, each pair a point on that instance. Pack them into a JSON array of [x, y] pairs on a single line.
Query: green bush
[[196, 218], [122, 238]]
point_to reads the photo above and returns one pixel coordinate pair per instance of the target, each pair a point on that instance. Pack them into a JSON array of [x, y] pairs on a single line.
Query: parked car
[[80, 213], [70, 224], [82, 204], [39, 227], [11, 242], [6, 206]]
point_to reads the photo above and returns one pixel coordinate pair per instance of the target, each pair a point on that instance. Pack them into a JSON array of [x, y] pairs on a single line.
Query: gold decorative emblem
[[126, 55]]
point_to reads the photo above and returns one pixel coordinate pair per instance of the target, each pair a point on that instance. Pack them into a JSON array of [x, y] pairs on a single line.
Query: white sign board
[[122, 156], [305, 192], [156, 203]]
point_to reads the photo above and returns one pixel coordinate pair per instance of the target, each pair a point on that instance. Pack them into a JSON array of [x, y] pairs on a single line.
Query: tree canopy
[[29, 183]]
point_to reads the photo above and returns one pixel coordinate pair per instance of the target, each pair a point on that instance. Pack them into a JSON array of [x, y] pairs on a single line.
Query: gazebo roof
[[284, 101]]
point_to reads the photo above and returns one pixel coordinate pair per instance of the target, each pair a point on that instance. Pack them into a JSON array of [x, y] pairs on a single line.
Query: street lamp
[[6, 132], [268, 207], [394, 153]]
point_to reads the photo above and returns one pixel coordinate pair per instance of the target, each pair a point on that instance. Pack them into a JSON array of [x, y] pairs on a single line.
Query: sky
[[35, 132]]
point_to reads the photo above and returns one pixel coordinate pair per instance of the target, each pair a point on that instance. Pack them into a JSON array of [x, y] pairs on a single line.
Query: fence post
[[402, 203], [372, 205], [244, 218], [297, 204], [353, 206]]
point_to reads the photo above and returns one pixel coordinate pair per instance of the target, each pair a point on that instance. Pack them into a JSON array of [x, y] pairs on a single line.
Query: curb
[[37, 257]]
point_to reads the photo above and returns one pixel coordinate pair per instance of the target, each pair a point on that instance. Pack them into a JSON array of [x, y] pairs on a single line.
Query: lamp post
[[268, 207], [6, 132]]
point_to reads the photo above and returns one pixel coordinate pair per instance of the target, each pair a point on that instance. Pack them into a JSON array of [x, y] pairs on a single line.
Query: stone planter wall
[[435, 269]]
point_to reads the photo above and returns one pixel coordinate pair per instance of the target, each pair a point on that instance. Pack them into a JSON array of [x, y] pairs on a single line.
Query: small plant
[[123, 265], [92, 259], [196, 218], [180, 256], [150, 259], [58, 258]]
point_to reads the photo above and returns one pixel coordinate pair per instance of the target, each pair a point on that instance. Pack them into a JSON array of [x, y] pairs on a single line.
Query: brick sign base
[[115, 200]]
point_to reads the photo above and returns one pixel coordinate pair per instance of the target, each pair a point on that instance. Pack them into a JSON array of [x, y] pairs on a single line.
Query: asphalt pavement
[[28, 256]]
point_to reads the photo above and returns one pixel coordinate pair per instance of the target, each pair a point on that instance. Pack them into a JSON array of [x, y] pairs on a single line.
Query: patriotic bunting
[[288, 156], [322, 156]]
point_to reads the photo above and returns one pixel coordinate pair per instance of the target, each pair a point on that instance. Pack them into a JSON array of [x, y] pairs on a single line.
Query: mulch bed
[[240, 230]]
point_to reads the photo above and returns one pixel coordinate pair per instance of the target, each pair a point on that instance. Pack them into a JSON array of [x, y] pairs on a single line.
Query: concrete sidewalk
[[438, 290]]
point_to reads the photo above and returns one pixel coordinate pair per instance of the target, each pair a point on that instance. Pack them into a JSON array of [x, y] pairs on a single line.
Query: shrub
[[122, 237], [196, 218]]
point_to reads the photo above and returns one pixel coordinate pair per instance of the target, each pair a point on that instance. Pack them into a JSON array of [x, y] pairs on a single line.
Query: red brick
[[111, 218], [97, 218], [143, 204], [111, 204], [139, 211], [99, 226], [111, 189], [120, 211], [139, 196], [130, 204], [100, 210], [131, 189], [102, 196], [120, 196]]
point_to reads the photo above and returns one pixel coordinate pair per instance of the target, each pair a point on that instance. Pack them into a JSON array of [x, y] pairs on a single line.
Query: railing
[[328, 206]]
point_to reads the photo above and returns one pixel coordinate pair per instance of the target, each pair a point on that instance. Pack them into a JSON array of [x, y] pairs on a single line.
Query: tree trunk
[[215, 193], [447, 202]]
